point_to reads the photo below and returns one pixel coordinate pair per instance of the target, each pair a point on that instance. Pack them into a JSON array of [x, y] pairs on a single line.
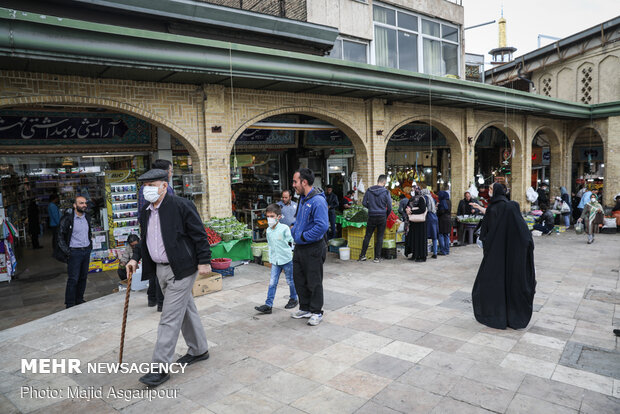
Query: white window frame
[[352, 40], [420, 36]]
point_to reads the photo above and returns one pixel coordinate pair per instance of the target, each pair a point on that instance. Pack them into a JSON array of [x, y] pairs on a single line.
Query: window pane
[[407, 51], [432, 57], [336, 51], [450, 59], [353, 51], [385, 47], [430, 28], [450, 33], [407, 21], [383, 15]]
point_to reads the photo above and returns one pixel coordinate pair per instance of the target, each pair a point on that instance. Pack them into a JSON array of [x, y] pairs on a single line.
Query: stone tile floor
[[397, 337]]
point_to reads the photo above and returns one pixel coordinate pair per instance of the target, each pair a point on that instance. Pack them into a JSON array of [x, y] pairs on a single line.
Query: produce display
[[226, 229], [469, 219], [356, 214]]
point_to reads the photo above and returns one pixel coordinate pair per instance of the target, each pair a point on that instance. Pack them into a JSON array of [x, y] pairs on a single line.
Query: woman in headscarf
[[566, 199], [445, 222], [503, 292], [592, 215], [415, 241], [432, 224]]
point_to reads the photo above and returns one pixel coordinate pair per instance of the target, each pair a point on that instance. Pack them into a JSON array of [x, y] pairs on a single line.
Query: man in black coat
[[174, 245], [332, 205]]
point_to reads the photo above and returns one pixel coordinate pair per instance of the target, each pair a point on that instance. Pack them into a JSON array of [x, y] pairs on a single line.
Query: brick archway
[[598, 135], [557, 178], [456, 147]]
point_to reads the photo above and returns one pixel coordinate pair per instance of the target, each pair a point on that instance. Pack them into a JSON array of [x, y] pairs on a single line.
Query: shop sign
[[332, 138], [591, 154], [71, 128], [546, 156], [417, 135], [267, 137]]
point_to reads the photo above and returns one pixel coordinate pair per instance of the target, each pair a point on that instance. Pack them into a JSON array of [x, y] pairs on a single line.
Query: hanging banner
[[546, 156], [267, 138], [417, 135], [586, 154], [333, 138], [72, 128]]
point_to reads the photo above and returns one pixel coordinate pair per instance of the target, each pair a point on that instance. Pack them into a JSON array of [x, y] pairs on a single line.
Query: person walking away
[[379, 204], [174, 246], [125, 256], [432, 223], [280, 243], [592, 215], [74, 246], [544, 223], [34, 224], [503, 293], [310, 247], [444, 216], [53, 212], [154, 293], [288, 208], [415, 241], [332, 205]]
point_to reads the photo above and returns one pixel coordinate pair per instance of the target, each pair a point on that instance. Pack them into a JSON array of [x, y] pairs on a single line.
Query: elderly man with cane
[[174, 245]]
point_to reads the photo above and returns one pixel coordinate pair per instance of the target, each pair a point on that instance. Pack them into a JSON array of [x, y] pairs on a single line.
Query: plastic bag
[[579, 228], [531, 195], [473, 191], [565, 208]]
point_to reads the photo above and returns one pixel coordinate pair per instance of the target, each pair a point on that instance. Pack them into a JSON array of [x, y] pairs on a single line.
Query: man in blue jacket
[[308, 232], [379, 204]]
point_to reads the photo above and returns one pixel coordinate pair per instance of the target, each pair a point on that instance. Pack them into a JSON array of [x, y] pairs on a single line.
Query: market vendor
[[347, 200], [465, 208]]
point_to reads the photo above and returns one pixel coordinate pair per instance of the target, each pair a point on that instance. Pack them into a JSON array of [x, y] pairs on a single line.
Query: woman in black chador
[[504, 289], [415, 241]]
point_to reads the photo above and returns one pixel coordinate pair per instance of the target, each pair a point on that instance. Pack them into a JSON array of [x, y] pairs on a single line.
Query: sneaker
[[263, 309], [301, 314], [315, 319], [362, 259], [434, 256], [376, 260], [291, 304]]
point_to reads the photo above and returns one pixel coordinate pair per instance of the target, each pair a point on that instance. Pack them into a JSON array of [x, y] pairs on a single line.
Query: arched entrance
[[266, 151], [546, 161], [587, 160], [424, 151]]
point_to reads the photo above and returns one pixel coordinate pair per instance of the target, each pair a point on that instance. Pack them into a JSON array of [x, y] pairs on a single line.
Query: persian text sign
[[52, 128]]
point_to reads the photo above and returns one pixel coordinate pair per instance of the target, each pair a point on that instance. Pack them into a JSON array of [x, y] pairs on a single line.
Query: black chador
[[503, 292]]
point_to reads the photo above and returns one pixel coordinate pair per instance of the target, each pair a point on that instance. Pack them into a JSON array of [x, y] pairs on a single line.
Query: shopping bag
[[579, 228]]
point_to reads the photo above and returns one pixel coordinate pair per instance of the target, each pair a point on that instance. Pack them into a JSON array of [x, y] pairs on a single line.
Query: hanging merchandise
[[122, 203]]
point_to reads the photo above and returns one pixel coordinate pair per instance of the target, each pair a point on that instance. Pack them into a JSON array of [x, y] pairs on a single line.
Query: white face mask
[[151, 194], [272, 221]]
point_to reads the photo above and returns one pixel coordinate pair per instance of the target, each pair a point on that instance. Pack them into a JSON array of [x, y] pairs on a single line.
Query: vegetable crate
[[355, 239], [225, 272], [370, 253], [390, 234]]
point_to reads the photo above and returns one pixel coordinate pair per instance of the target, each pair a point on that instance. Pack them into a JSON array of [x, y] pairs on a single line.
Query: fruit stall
[[229, 239]]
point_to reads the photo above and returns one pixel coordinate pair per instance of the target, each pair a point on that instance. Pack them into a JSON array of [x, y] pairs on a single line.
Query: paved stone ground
[[397, 337]]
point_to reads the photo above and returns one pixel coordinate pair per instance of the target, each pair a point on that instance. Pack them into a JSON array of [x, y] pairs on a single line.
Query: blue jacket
[[312, 220], [54, 214]]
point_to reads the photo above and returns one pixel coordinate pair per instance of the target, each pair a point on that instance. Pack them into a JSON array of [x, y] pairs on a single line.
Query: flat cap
[[154, 175]]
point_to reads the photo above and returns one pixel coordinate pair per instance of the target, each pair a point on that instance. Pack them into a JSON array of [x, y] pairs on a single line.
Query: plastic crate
[[355, 238], [225, 272], [355, 253], [390, 234], [333, 249]]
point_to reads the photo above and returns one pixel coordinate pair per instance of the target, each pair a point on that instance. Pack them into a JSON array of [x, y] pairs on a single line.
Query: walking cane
[[120, 354]]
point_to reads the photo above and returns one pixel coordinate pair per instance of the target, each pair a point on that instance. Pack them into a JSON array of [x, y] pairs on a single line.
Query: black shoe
[[159, 308], [362, 259], [434, 256], [154, 379], [190, 359], [617, 332], [291, 304], [263, 309], [152, 303]]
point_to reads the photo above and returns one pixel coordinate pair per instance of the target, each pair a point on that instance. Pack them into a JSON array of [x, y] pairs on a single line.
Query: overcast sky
[[526, 19]]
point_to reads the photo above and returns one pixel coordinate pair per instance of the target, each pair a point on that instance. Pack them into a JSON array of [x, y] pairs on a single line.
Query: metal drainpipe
[[520, 76]]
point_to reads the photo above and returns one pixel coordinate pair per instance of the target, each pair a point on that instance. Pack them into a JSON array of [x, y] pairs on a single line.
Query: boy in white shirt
[[281, 257]]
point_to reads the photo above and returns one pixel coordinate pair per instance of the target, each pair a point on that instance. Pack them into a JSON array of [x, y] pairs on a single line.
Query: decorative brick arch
[[556, 169], [362, 161], [73, 100], [456, 146]]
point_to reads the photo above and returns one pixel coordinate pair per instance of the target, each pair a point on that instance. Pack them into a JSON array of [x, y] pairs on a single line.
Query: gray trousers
[[179, 313]]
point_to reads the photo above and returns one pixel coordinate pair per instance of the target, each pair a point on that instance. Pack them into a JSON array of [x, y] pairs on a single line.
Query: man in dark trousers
[[174, 245], [154, 293], [332, 205], [379, 204], [74, 247], [310, 248]]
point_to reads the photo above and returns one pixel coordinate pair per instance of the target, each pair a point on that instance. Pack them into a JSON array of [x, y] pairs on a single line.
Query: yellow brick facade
[[189, 112]]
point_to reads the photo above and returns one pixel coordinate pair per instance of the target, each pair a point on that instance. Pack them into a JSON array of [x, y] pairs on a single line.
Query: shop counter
[[233, 249]]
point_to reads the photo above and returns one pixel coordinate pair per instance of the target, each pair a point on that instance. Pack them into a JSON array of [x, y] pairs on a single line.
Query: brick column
[[375, 119], [612, 161], [469, 154]]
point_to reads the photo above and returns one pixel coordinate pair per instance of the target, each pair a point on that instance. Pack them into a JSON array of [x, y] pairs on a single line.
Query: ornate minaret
[[502, 54]]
